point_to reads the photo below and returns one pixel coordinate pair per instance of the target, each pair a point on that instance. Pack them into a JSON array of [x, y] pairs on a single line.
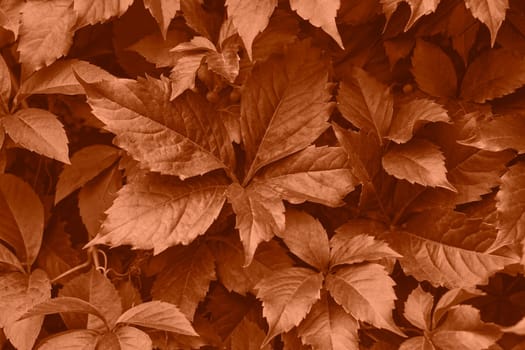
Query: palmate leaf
[[157, 212], [182, 138]]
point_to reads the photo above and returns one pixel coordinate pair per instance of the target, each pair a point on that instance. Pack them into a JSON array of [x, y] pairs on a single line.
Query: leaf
[[225, 62], [307, 239], [182, 138], [315, 174], [287, 296], [7, 257], [413, 115], [99, 11], [157, 212], [433, 70], [43, 39], [259, 215], [444, 247], [21, 218], [69, 340], [418, 161], [131, 338], [496, 133], [58, 78], [39, 131], [366, 292], [463, 330], [163, 11], [157, 49], [5, 85], [284, 110], [491, 13], [418, 308], [511, 206], [328, 326], [417, 343], [250, 18], [18, 293], [96, 289], [320, 14], [86, 164], [158, 315], [184, 72], [494, 73], [247, 336], [366, 103], [418, 9], [186, 280]]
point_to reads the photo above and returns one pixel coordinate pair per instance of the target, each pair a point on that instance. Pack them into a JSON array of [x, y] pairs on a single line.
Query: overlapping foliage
[[262, 174]]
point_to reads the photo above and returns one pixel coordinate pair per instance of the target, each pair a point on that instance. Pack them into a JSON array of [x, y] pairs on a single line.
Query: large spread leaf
[[320, 14], [433, 70], [259, 215], [328, 326], [490, 12], [18, 293], [493, 74], [306, 238], [183, 138], [366, 103], [287, 297], [39, 131], [43, 39], [418, 161], [156, 212], [316, 174], [158, 315], [163, 11], [21, 218], [250, 18], [185, 282], [447, 249], [284, 105], [366, 292], [97, 11]]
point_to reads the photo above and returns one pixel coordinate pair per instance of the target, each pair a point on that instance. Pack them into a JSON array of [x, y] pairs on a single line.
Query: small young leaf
[[183, 73], [418, 161], [490, 12], [39, 131], [347, 248], [163, 11], [95, 11], [287, 297], [158, 315], [418, 308]]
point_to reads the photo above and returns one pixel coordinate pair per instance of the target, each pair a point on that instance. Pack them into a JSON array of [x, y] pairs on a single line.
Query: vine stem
[[92, 258]]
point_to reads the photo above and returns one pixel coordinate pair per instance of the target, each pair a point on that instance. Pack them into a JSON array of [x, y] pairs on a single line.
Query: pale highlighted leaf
[[418, 161], [96, 11], [163, 11], [287, 297], [39, 131], [157, 212], [158, 315], [489, 12], [347, 248], [320, 14], [418, 308], [184, 72], [71, 339], [131, 338]]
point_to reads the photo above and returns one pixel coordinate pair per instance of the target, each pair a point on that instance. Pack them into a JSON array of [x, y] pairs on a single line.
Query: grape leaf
[[99, 11], [433, 70], [496, 133], [182, 138], [58, 78], [493, 74], [445, 248], [489, 12], [283, 110], [163, 11], [9, 258], [349, 248], [72, 339], [366, 292], [21, 218], [157, 212], [328, 326], [86, 164], [259, 215], [131, 338], [315, 174], [158, 315], [320, 14], [250, 18], [418, 161], [43, 39], [287, 296], [40, 131], [18, 293], [366, 103], [464, 330], [413, 115], [307, 239], [418, 308], [185, 282]]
